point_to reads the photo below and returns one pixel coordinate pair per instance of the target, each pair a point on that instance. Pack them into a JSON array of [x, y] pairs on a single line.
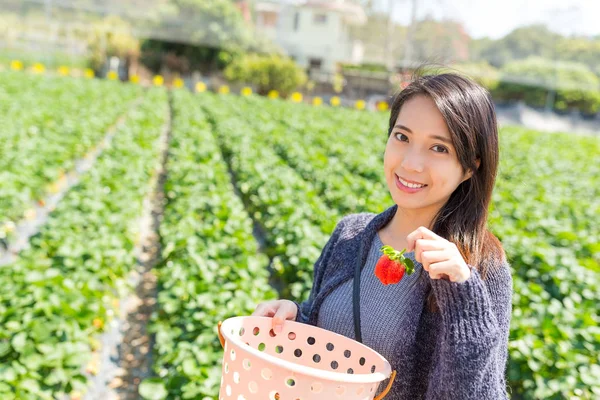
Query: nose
[[412, 161]]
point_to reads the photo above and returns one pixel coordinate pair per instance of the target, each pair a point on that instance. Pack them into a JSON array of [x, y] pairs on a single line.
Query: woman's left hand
[[438, 256]]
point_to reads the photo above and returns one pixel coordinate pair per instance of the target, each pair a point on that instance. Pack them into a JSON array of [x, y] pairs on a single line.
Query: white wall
[[328, 41]]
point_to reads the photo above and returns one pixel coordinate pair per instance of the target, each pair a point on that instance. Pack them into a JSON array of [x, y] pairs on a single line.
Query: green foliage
[[481, 72], [215, 33], [48, 123], [210, 271], [521, 43], [59, 293], [267, 73], [529, 80], [110, 37], [366, 67]]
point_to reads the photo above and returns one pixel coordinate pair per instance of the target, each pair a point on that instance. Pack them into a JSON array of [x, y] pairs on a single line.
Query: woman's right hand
[[280, 310]]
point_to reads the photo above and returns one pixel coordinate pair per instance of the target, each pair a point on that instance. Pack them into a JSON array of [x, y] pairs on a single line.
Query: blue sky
[[495, 18]]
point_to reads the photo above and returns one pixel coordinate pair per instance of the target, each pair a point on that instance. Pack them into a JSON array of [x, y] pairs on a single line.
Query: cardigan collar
[[347, 252]]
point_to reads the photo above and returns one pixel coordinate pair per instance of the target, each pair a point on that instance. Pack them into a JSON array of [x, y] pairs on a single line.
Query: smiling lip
[[407, 189]]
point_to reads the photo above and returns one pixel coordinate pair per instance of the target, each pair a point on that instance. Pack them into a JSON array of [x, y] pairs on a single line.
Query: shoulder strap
[[356, 296]]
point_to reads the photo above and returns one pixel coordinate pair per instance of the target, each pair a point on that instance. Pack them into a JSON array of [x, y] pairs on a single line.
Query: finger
[[434, 256], [419, 233], [281, 315], [422, 245], [264, 310], [442, 270]]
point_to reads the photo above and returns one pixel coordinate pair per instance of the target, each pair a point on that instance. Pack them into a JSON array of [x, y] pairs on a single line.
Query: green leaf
[[153, 389]]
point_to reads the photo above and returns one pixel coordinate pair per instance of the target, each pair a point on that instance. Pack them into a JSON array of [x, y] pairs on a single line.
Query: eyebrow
[[441, 138]]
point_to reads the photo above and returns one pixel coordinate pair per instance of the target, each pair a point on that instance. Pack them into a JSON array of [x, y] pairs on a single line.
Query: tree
[[520, 44], [440, 41], [206, 35]]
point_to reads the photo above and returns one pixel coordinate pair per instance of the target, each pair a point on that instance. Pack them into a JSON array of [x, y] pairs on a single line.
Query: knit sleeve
[[472, 347], [318, 272]]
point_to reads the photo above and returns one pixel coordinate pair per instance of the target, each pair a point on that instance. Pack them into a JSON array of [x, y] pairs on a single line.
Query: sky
[[496, 18]]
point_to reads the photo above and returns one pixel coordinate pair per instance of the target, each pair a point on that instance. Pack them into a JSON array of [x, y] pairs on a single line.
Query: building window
[[296, 21], [315, 63], [320, 19]]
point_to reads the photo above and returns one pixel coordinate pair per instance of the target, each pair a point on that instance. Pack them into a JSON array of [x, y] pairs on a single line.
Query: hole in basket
[[279, 349], [347, 353], [228, 390], [310, 340], [272, 333], [226, 368], [253, 387], [241, 397], [329, 346], [246, 364], [291, 336], [242, 331], [266, 374], [290, 382], [232, 354], [236, 377], [261, 346], [256, 331], [316, 387], [362, 361], [340, 390], [298, 353], [274, 395], [316, 358], [350, 371], [334, 364], [373, 369]]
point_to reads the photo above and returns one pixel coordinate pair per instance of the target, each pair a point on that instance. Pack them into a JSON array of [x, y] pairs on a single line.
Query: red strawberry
[[392, 265]]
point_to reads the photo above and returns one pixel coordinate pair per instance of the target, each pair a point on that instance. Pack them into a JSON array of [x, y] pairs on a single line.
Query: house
[[315, 33]]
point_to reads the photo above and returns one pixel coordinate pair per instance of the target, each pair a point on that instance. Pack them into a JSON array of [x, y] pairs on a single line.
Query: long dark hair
[[469, 113]]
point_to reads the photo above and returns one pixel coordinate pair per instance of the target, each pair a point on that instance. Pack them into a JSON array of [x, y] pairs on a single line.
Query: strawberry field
[[246, 192]]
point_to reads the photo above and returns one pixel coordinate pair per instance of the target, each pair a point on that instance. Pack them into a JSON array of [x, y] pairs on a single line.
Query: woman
[[445, 328]]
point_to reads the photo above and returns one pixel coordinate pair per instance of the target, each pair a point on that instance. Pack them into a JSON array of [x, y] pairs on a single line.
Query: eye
[[440, 149], [401, 137]]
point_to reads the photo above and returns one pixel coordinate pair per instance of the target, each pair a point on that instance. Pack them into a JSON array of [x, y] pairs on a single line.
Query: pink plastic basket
[[302, 362]]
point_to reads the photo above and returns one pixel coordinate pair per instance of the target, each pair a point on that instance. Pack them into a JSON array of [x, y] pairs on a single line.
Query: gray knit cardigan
[[459, 352]]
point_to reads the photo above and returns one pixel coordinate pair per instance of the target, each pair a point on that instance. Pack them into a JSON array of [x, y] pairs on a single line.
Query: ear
[[470, 172]]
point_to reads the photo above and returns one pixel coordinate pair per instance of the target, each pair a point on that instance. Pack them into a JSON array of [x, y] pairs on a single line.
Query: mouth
[[407, 185]]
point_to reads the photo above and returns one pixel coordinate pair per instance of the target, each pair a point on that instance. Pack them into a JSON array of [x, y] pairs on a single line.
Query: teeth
[[410, 185]]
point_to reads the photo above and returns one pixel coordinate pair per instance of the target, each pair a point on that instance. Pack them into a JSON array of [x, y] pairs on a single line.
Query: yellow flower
[[273, 94], [158, 80], [224, 89], [360, 104], [135, 79], [178, 83], [16, 65], [296, 97], [112, 75], [200, 87], [335, 101], [64, 71], [317, 101], [246, 91], [38, 68], [88, 73]]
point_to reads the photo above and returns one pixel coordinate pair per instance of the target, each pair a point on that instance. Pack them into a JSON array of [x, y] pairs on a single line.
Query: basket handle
[[221, 338], [389, 386]]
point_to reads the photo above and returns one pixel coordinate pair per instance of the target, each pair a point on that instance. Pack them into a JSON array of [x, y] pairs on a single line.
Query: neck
[[405, 222]]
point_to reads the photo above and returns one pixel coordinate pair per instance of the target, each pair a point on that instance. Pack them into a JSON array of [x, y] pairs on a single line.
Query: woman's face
[[420, 163]]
